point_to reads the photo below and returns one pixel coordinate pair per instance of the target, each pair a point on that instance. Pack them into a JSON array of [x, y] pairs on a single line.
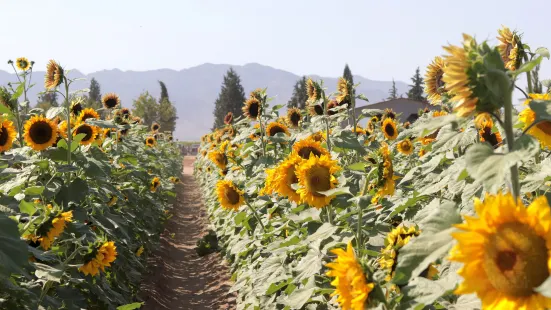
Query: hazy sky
[[379, 39]]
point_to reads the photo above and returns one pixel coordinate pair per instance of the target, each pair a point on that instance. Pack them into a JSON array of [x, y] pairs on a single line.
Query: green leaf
[[528, 66], [76, 141], [18, 92], [542, 51], [348, 140], [34, 190], [298, 298], [277, 107], [132, 306], [54, 111], [276, 287], [428, 126], [62, 144], [467, 302], [357, 166], [27, 207], [336, 191], [542, 108], [101, 123], [13, 251], [47, 272], [463, 175]]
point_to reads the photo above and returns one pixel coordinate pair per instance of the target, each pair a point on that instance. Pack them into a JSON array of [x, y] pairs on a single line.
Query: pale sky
[[380, 40]]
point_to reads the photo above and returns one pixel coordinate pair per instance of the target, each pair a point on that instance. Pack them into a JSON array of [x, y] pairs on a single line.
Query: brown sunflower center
[[291, 176], [254, 109], [319, 180], [87, 116], [41, 132], [406, 146], [76, 108], [221, 159], [155, 127], [545, 126], [305, 152], [87, 130], [23, 63], [389, 130], [318, 109], [4, 136], [111, 102], [275, 129], [488, 136], [515, 259], [231, 195], [295, 118]]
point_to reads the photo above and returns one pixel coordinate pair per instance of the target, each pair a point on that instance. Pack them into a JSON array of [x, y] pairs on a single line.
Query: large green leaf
[[132, 306], [13, 251]]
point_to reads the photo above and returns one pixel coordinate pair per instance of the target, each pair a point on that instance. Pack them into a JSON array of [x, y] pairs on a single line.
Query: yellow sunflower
[[150, 141], [370, 127], [275, 127], [40, 133], [359, 131], [155, 183], [7, 135], [483, 120], [155, 127], [87, 113], [110, 100], [112, 200], [434, 84], [316, 175], [229, 196], [174, 180], [285, 176], [386, 174], [405, 147], [486, 135], [456, 78], [294, 117], [252, 108], [541, 131], [54, 75], [315, 109], [506, 252], [219, 158], [57, 226], [105, 255], [23, 63], [269, 183], [330, 106], [343, 88], [422, 152], [304, 148], [350, 281], [389, 129], [509, 48], [312, 90], [76, 107], [91, 133]]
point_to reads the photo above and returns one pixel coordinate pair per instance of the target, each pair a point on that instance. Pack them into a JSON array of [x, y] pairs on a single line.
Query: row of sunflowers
[[448, 212], [84, 194]]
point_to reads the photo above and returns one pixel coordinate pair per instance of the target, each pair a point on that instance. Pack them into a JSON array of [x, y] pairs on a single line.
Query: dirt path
[[180, 279]]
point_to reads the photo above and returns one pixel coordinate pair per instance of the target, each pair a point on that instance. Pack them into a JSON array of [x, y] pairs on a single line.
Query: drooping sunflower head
[[23, 63], [505, 252], [125, 113], [252, 108], [228, 119], [316, 175], [389, 113], [88, 113], [76, 107], [330, 106], [107, 254], [155, 127], [7, 134], [274, 128], [345, 89], [315, 109], [54, 75], [389, 129], [304, 148], [284, 176], [155, 183], [510, 48], [313, 90], [150, 141], [405, 147], [229, 196], [434, 82], [351, 286], [542, 130], [294, 117], [90, 133], [40, 133], [219, 159], [110, 100]]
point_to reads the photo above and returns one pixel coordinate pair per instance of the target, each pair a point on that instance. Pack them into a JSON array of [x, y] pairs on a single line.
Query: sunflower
[[389, 129], [155, 183], [274, 128], [541, 131], [7, 135], [439, 113], [370, 127], [125, 113], [229, 196], [285, 176], [155, 127], [405, 147], [316, 175], [317, 136], [87, 113], [486, 135], [219, 158], [315, 109], [252, 108], [174, 180], [110, 100], [90, 132], [294, 117], [389, 113], [54, 75], [509, 48], [456, 78], [104, 256], [228, 119], [330, 106], [55, 229], [385, 174], [107, 132], [312, 90], [343, 87], [359, 131], [350, 281], [483, 120], [22, 63], [406, 125], [150, 141], [434, 84], [506, 252], [76, 107], [305, 147], [40, 133], [139, 251], [422, 152], [112, 200]]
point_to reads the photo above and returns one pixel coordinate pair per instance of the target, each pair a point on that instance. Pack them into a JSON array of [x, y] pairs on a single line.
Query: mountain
[[194, 90]]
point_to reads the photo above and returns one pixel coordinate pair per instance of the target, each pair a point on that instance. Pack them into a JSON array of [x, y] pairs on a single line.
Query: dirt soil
[[179, 278]]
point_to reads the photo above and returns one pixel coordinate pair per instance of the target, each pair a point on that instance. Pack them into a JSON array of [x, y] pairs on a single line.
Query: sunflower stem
[[69, 138], [353, 105], [262, 132], [360, 217], [253, 210], [508, 107], [528, 77]]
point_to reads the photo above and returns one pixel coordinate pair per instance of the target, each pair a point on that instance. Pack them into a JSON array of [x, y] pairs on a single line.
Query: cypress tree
[[95, 91], [347, 75], [393, 92], [164, 92], [230, 99], [300, 96], [417, 90]]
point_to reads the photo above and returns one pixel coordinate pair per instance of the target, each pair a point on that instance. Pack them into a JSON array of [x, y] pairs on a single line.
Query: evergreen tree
[[416, 90], [164, 92], [167, 116], [147, 108], [537, 86], [300, 96], [230, 99], [347, 75], [393, 92], [95, 91], [47, 100]]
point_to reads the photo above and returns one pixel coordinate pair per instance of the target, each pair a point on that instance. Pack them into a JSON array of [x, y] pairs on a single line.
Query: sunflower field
[[448, 212], [84, 194]]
